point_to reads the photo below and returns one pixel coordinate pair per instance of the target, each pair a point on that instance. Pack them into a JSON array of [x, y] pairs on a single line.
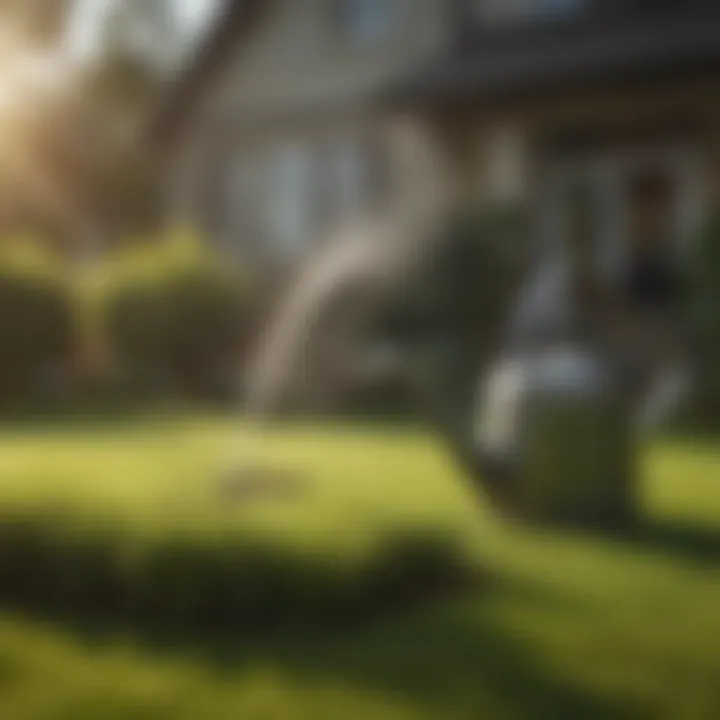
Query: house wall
[[304, 84], [302, 56]]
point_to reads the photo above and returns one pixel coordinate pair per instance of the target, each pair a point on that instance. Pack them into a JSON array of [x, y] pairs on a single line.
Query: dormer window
[[368, 21], [500, 12]]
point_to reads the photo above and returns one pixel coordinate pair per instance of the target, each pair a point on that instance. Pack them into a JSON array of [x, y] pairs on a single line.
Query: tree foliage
[[37, 21]]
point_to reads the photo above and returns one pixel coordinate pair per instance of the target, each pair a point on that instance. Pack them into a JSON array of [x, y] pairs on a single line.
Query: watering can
[[545, 418]]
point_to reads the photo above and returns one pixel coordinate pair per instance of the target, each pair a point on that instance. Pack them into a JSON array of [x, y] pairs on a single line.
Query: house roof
[[234, 23], [683, 37], [514, 63]]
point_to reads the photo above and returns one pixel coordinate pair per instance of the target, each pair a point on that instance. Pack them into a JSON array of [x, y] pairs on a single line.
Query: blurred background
[[266, 266]]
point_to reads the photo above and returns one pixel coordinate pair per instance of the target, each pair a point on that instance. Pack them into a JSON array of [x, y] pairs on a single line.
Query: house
[[273, 134], [299, 115]]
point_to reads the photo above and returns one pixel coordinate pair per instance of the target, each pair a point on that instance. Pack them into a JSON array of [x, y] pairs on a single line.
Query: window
[[290, 197], [349, 177], [368, 21], [510, 11], [356, 177], [311, 186]]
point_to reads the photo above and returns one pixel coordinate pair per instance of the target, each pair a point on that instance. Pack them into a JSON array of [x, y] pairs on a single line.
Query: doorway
[[636, 204]]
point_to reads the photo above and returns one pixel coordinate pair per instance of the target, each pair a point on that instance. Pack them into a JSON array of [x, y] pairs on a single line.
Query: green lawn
[[565, 625]]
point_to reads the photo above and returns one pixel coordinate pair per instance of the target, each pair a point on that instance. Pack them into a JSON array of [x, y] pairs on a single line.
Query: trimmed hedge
[[173, 316], [165, 317], [184, 586], [704, 308], [453, 310], [454, 313], [38, 324]]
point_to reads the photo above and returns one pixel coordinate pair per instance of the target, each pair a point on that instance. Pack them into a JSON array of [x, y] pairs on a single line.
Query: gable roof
[[233, 25]]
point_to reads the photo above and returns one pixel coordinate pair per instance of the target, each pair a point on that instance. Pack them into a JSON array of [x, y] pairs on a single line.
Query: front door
[[636, 205]]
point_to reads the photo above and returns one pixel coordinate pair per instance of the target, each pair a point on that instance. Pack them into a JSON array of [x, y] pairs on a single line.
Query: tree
[[113, 95], [39, 22], [75, 167]]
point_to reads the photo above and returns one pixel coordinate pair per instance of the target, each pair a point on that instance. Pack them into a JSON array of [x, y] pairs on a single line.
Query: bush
[[38, 329], [460, 303], [174, 316], [704, 300], [189, 585], [448, 318]]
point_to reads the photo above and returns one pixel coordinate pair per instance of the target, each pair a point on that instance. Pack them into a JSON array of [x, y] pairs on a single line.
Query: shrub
[[187, 585], [704, 310], [460, 303], [449, 315], [174, 315], [38, 329]]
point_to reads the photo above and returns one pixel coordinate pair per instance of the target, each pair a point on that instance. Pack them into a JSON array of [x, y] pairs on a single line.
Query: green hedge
[[38, 323], [187, 585], [455, 310], [173, 316], [704, 301], [167, 316]]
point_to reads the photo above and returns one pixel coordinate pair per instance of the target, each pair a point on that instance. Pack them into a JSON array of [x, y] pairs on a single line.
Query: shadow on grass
[[413, 626], [409, 632], [447, 657], [675, 538], [460, 667], [453, 658]]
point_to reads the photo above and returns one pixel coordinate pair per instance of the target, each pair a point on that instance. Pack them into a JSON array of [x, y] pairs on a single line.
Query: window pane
[[368, 20], [289, 199], [356, 177]]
